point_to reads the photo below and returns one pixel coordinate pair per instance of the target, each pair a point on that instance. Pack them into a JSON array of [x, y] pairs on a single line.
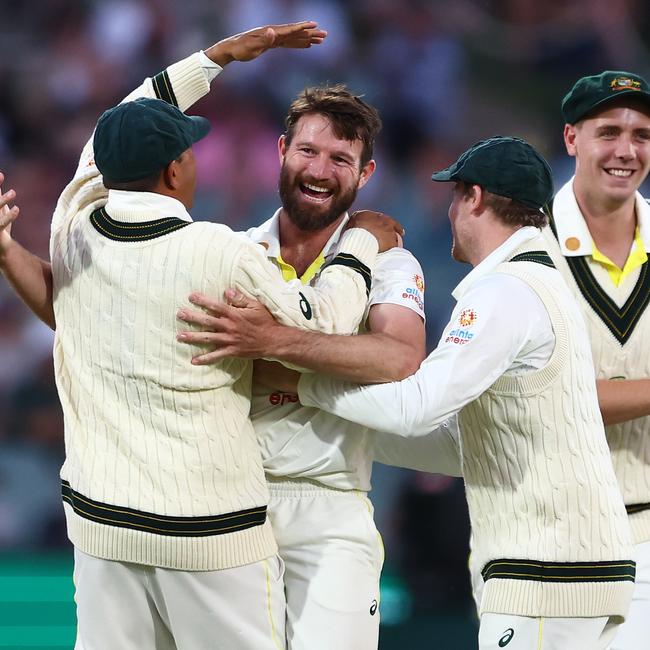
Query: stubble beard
[[304, 216]]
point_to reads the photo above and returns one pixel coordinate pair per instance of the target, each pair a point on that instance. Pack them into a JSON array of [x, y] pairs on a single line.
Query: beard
[[311, 217]]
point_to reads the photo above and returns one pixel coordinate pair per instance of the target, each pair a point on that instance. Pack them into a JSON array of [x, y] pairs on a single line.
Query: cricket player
[[599, 239], [318, 466], [549, 528], [163, 485]]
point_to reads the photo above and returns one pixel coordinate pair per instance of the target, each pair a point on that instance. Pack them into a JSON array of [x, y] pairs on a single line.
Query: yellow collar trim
[[289, 273], [636, 258]]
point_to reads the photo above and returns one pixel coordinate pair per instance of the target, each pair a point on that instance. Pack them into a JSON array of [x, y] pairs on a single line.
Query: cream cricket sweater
[[548, 523], [163, 467], [618, 326]]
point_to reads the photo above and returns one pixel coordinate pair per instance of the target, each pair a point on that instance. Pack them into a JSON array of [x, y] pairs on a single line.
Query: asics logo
[[506, 638], [373, 608], [305, 307]]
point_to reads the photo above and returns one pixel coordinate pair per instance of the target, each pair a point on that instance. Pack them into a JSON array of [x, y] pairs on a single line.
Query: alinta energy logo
[[419, 282], [506, 638]]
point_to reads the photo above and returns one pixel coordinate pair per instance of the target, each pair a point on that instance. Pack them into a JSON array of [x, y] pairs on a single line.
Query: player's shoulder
[[217, 236], [398, 258]]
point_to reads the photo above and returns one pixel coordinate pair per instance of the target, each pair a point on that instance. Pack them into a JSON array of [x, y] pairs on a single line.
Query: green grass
[[36, 601]]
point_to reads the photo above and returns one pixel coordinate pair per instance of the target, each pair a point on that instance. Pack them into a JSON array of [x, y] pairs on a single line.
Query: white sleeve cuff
[[210, 68]]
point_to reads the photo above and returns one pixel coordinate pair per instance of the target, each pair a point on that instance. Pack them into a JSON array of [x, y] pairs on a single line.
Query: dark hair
[[147, 184], [509, 211], [351, 117]]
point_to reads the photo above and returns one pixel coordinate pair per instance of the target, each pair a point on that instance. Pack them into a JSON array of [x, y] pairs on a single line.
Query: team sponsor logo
[[419, 282], [624, 83], [459, 336], [411, 293], [467, 317], [373, 608], [506, 638], [280, 399]]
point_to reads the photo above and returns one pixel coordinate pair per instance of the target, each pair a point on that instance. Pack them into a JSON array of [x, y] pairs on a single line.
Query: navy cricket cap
[[505, 166], [598, 90], [136, 139]]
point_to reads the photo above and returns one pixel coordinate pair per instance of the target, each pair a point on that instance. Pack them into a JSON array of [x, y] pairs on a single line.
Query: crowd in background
[[442, 74]]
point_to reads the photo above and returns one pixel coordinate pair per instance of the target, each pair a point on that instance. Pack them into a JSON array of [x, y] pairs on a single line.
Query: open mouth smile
[[618, 172], [315, 193]]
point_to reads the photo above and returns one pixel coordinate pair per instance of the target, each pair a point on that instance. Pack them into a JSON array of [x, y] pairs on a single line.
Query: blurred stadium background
[[443, 74]]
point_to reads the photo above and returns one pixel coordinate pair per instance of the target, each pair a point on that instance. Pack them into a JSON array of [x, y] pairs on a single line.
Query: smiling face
[[612, 151], [320, 173]]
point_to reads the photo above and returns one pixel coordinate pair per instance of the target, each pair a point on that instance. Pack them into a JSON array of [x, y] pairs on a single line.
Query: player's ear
[[170, 175], [366, 172], [282, 147], [570, 132], [475, 198]]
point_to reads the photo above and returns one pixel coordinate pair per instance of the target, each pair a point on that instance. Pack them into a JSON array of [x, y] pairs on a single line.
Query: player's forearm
[[31, 279], [623, 399], [367, 358]]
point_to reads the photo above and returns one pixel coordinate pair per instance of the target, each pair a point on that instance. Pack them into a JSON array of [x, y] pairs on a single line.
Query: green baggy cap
[[505, 166], [136, 139], [597, 90]]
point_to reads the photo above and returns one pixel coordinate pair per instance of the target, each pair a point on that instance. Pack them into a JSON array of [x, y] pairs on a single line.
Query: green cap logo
[[625, 83]]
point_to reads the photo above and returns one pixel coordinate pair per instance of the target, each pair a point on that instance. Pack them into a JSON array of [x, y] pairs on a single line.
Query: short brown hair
[[351, 117], [509, 211]]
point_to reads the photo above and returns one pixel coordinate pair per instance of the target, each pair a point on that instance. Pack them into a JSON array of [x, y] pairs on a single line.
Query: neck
[[611, 223], [301, 247], [490, 240]]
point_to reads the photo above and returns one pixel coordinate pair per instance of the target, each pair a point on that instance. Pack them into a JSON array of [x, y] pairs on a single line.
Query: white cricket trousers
[[634, 633], [137, 607], [333, 556], [508, 632]]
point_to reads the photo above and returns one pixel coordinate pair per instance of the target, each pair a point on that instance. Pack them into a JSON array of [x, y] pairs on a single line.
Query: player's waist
[[282, 486]]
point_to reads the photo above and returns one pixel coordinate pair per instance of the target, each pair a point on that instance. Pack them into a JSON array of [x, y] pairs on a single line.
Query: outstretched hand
[[249, 45], [8, 215], [240, 327]]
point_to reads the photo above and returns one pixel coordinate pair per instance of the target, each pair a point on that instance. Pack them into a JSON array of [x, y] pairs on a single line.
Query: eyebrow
[[337, 153]]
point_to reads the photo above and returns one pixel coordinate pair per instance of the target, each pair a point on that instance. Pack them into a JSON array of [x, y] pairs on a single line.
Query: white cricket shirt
[[302, 442]]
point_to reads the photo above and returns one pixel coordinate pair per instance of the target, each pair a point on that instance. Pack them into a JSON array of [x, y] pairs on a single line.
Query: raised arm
[[182, 84], [29, 275]]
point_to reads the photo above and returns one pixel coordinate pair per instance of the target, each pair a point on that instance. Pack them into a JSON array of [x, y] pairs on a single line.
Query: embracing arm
[[29, 275], [621, 400], [392, 350], [467, 361]]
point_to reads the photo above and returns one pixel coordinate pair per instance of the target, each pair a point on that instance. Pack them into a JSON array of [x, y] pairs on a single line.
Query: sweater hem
[[170, 552], [535, 599]]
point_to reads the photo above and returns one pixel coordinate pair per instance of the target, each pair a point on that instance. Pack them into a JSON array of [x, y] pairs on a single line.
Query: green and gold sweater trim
[[162, 86], [620, 321], [113, 515], [540, 257], [122, 231], [619, 570], [345, 259]]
